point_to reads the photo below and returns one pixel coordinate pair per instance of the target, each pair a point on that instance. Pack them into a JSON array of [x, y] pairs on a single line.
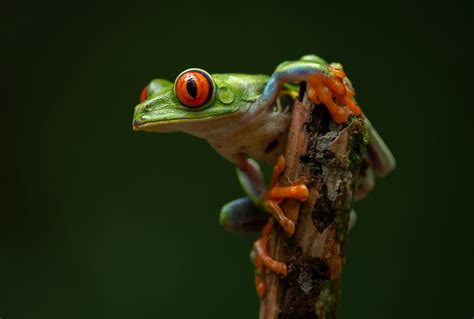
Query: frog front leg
[[241, 212], [251, 180], [326, 84], [246, 214]]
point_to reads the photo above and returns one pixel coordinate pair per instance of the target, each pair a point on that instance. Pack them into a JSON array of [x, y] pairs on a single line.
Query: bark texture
[[328, 156]]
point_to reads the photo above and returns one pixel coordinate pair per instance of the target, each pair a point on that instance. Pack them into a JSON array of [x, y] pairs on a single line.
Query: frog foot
[[275, 195], [263, 261], [333, 92], [271, 201]]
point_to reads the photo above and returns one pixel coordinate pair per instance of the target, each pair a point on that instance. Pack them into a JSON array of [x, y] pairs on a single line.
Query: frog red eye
[[144, 94], [194, 88]]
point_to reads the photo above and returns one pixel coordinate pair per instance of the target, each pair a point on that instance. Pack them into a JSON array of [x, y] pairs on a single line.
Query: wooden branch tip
[[328, 155]]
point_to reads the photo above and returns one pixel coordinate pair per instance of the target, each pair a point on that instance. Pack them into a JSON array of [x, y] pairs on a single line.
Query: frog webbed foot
[[270, 201], [335, 91], [251, 179], [263, 261], [276, 193], [326, 83]]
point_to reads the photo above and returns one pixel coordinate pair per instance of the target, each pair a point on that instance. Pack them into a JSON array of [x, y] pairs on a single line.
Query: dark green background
[[103, 222]]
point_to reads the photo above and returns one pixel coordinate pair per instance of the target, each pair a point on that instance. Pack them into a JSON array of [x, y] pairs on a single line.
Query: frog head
[[195, 97]]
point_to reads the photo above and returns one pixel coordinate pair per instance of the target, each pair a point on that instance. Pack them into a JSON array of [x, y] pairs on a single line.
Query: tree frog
[[245, 118]]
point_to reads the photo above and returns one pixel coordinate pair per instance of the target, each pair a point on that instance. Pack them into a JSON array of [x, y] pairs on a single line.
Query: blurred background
[[99, 221]]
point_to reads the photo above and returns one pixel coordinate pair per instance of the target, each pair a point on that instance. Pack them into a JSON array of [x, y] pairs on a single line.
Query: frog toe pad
[[335, 93]]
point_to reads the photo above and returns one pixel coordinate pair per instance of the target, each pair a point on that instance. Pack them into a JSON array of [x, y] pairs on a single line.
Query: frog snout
[[136, 125], [137, 117]]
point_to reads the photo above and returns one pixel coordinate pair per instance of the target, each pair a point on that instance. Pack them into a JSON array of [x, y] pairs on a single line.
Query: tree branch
[[329, 156]]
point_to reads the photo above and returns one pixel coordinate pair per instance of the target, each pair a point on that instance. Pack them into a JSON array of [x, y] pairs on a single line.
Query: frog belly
[[263, 140]]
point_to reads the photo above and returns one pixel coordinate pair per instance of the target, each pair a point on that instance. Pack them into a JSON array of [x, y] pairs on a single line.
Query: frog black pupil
[[192, 88]]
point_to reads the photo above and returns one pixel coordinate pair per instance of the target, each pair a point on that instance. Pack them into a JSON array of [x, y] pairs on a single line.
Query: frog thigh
[[365, 181], [242, 216], [380, 157], [251, 179]]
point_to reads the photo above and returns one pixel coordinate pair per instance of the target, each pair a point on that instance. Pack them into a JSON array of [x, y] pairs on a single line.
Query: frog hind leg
[[246, 214], [365, 180], [379, 155], [272, 199], [276, 193], [263, 260], [251, 179], [242, 216], [378, 160]]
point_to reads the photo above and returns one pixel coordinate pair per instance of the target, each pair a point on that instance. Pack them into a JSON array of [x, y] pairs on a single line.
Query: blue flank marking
[[270, 89], [286, 75]]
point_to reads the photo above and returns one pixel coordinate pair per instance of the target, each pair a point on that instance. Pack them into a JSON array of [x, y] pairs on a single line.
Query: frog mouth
[[171, 125], [158, 126], [137, 125]]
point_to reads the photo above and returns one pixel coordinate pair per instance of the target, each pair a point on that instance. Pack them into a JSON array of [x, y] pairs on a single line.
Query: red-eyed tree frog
[[246, 118]]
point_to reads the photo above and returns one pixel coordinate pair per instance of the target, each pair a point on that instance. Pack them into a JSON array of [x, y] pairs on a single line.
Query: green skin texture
[[235, 92], [239, 123]]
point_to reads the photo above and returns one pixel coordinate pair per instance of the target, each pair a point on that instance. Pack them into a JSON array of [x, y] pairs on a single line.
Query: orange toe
[[325, 89]]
